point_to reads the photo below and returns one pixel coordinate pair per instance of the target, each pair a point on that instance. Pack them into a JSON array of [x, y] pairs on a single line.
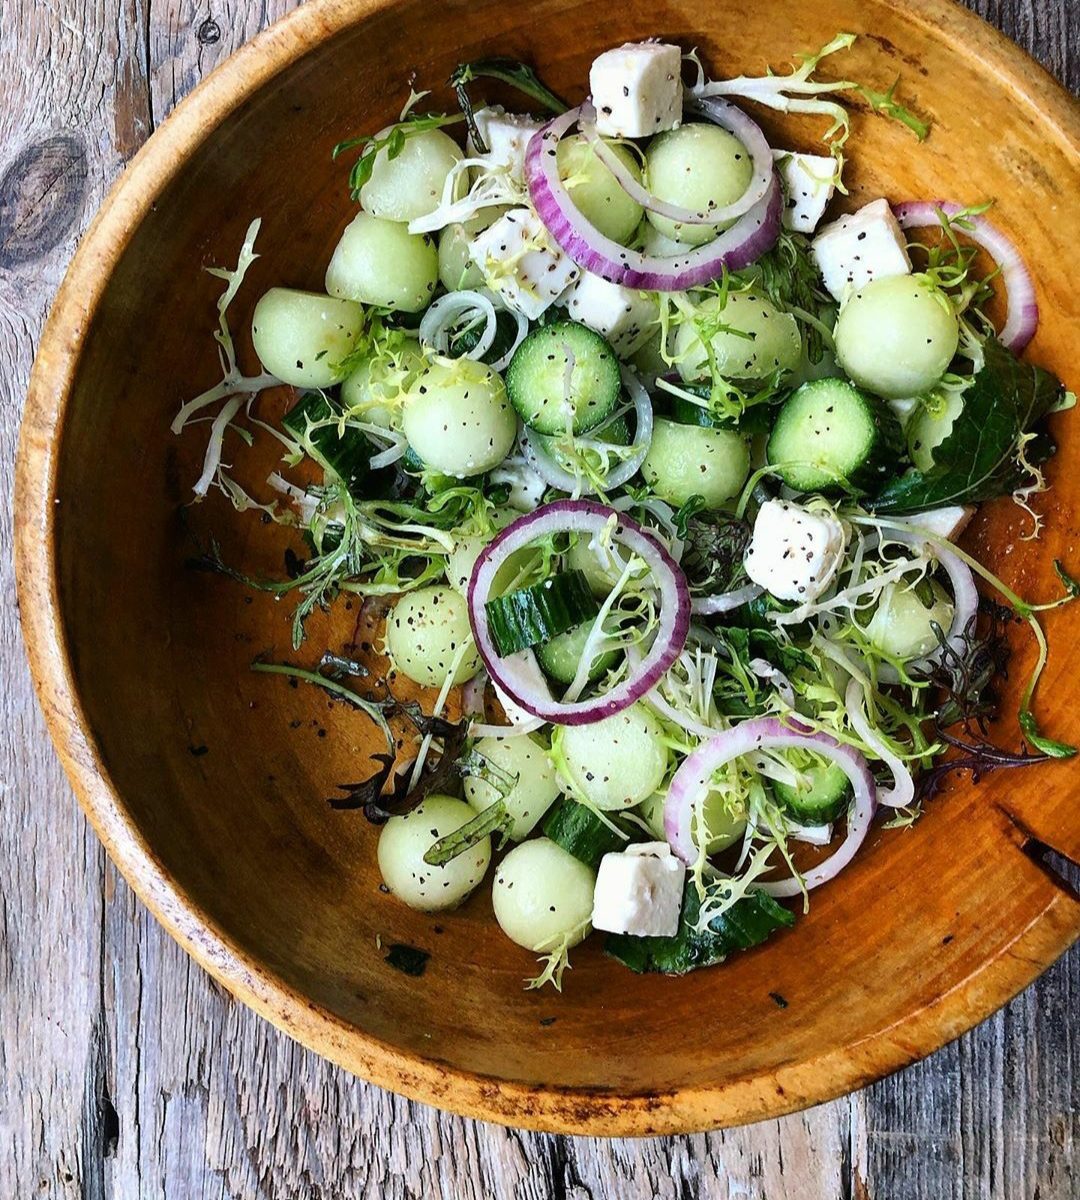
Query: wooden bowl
[[208, 783]]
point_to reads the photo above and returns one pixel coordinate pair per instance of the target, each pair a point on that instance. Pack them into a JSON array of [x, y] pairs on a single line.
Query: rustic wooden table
[[126, 1072]]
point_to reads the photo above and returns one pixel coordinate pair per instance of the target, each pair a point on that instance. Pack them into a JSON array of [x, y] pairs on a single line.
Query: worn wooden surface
[[124, 1072]]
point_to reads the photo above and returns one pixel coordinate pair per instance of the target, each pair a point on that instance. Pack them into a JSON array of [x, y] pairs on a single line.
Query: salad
[[653, 441]]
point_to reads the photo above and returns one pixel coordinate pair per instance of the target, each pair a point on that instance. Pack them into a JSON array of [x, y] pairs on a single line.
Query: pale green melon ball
[[897, 336], [617, 762], [424, 635], [697, 167], [458, 418], [750, 338], [595, 191], [537, 786], [381, 262], [405, 840], [302, 337], [543, 895]]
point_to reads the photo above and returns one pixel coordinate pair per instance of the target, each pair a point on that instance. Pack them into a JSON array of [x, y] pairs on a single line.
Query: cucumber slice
[[536, 614], [831, 437], [559, 658], [344, 453], [824, 799], [536, 380], [580, 832]]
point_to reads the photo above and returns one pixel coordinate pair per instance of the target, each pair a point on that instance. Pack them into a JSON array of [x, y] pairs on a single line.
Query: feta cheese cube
[[620, 314], [809, 182], [521, 262], [506, 136], [948, 522], [637, 89], [794, 553], [639, 891], [868, 244]]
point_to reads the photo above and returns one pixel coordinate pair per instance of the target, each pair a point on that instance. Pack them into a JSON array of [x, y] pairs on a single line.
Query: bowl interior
[[225, 774]]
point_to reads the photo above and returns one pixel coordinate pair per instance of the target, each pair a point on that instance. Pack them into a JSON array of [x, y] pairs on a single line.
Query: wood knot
[[208, 32], [41, 193]]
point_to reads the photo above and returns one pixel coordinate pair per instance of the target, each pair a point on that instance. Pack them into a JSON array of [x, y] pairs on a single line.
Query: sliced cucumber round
[[560, 657], [821, 796], [563, 372], [831, 437]]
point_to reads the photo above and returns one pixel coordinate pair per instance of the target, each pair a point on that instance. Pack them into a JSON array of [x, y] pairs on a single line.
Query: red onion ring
[[519, 675], [751, 236], [767, 733], [720, 112], [709, 606], [965, 600], [1022, 313]]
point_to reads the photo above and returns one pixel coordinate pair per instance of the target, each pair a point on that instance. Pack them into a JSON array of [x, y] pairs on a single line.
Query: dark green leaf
[[979, 460], [747, 923]]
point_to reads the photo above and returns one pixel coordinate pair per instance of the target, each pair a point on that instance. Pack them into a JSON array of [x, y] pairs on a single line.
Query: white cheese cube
[[639, 891], [521, 262], [507, 137], [809, 182], [794, 553], [904, 407], [620, 314], [948, 522], [637, 89], [868, 244]]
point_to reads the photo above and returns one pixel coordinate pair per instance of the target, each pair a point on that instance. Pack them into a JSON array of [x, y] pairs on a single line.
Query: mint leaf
[[979, 459]]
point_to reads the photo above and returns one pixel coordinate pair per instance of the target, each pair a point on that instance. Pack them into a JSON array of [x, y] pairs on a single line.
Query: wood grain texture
[[125, 1072]]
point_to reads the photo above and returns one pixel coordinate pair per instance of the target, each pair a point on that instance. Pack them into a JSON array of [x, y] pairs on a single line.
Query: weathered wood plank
[[125, 1072]]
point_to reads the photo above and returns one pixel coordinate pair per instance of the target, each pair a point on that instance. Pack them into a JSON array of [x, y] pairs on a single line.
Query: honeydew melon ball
[[381, 262], [897, 336], [457, 417], [617, 762], [595, 191], [903, 622], [375, 388], [543, 895], [537, 786], [424, 635], [405, 840], [691, 460], [302, 337], [750, 338], [457, 271], [467, 549], [410, 184], [698, 167], [726, 827]]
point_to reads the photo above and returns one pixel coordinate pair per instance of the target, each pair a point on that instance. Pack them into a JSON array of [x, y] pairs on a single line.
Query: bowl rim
[[578, 1110]]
